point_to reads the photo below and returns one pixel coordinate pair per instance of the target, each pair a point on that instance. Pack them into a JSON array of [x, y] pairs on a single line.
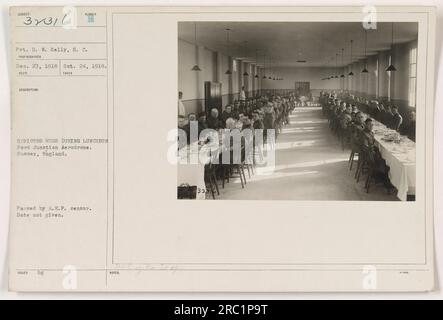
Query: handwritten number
[[28, 21], [47, 21]]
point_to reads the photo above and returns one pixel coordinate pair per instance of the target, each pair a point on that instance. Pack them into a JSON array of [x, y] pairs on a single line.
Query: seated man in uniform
[[230, 124], [345, 120], [248, 109], [239, 121], [388, 117], [236, 109], [397, 119], [408, 128], [354, 111], [227, 113], [357, 127], [246, 123], [375, 159], [242, 106], [336, 117], [381, 115], [374, 109], [214, 122], [269, 116], [202, 125], [257, 123], [345, 116], [192, 121]]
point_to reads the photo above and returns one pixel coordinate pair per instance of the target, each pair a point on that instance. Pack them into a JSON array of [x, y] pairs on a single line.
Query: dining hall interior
[[341, 98]]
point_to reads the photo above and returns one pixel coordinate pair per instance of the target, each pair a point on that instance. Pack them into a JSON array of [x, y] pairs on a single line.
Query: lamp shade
[[391, 68], [196, 68]]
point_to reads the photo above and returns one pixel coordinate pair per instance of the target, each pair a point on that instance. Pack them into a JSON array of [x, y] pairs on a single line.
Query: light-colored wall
[[372, 76], [306, 74], [209, 67], [187, 79], [401, 76], [191, 83], [224, 78], [383, 76], [235, 79]]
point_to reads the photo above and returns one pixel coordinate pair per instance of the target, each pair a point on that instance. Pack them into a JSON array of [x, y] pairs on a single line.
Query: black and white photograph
[[223, 151], [318, 110]]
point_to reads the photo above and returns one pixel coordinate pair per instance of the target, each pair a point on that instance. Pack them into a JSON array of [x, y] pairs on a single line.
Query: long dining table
[[192, 159], [399, 153]]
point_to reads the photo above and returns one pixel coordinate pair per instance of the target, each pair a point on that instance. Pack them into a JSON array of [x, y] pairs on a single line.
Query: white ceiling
[[286, 42]]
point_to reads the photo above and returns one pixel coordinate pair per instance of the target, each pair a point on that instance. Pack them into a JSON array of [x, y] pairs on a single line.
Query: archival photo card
[[222, 149]]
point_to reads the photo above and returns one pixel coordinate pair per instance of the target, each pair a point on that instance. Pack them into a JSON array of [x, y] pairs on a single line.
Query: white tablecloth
[[194, 175], [191, 167], [190, 170], [400, 157]]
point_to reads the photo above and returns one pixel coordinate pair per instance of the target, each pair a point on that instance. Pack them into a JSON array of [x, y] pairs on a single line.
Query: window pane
[[412, 91], [413, 55], [413, 70]]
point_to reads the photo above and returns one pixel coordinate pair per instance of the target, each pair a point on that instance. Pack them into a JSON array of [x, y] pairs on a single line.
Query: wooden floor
[[310, 165]]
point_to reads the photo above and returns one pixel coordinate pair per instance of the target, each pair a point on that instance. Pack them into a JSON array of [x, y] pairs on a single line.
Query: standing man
[[242, 94], [181, 111]]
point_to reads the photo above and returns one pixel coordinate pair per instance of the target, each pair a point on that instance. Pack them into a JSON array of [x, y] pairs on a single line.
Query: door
[[213, 96], [303, 88]]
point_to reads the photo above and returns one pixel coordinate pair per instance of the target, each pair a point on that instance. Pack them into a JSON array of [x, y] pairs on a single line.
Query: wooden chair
[[211, 179], [362, 164], [370, 160], [355, 148], [235, 165]]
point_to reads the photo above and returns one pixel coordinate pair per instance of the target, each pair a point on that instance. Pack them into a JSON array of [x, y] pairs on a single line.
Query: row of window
[[412, 77]]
